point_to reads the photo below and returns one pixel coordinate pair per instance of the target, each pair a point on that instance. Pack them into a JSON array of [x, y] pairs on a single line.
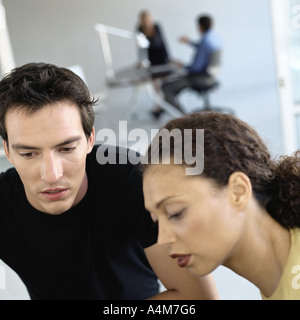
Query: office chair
[[204, 90]]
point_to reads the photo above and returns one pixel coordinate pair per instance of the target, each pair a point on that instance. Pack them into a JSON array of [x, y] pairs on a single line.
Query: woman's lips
[[182, 259], [54, 194]]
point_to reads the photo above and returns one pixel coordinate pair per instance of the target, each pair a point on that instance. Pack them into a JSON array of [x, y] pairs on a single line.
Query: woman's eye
[[176, 215]]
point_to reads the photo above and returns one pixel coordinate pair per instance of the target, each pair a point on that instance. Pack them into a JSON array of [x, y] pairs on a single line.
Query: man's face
[[48, 149]]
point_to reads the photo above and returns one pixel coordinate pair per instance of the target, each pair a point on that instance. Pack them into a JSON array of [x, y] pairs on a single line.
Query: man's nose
[[51, 170]]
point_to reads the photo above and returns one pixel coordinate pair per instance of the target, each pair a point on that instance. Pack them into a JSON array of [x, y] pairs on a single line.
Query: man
[[70, 227], [196, 72]]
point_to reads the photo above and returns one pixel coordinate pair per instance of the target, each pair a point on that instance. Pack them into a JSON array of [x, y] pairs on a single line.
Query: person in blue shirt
[[196, 71]]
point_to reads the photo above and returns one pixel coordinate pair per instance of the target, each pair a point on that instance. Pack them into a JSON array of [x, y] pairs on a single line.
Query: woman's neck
[[149, 30], [262, 252]]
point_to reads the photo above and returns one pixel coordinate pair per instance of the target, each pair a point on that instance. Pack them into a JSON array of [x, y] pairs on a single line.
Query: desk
[[137, 76], [133, 75]]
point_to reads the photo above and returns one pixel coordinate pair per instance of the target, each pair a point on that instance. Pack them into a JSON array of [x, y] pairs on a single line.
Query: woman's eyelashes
[[176, 215]]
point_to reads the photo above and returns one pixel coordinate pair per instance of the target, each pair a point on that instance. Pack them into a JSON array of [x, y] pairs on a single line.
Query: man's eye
[[27, 155], [67, 149]]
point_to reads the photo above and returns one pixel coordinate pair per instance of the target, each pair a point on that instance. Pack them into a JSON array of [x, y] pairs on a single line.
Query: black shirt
[[157, 51], [92, 251]]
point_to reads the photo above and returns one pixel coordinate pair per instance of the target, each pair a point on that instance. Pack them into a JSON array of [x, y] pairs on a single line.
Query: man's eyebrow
[[73, 139], [18, 146]]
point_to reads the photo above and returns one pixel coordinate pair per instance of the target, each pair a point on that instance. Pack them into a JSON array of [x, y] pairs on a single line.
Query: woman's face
[[197, 221], [147, 20]]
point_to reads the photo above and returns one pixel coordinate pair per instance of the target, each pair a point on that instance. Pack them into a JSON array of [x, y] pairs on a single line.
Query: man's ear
[[91, 140], [240, 189], [6, 150]]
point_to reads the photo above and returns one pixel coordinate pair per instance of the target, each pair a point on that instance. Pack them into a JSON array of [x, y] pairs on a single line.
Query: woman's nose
[[165, 234]]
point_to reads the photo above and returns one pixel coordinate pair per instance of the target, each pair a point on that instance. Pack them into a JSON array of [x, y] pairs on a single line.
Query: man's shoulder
[[9, 176], [214, 40], [114, 155], [10, 183], [110, 161]]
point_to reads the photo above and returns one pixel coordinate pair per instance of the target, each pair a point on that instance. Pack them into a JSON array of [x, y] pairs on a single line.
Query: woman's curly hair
[[231, 145], [284, 205]]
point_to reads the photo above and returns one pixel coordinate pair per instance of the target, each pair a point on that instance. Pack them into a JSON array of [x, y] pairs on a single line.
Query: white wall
[[61, 31], [6, 55]]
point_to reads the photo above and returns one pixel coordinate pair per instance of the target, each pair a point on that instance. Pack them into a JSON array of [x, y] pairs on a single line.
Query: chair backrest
[[214, 64]]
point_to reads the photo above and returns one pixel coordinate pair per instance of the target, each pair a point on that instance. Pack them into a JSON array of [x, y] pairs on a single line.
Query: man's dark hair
[[205, 22], [34, 85]]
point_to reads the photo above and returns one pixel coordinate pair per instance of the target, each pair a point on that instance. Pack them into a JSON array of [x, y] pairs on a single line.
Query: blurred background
[[258, 80]]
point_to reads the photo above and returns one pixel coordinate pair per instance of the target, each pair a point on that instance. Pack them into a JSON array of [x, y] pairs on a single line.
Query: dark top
[[92, 251], [157, 51]]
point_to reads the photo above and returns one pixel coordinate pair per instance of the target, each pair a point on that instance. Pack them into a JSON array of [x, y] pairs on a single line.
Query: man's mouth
[[54, 194]]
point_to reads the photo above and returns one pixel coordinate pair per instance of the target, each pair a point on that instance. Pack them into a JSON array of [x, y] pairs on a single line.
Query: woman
[[157, 52], [242, 211]]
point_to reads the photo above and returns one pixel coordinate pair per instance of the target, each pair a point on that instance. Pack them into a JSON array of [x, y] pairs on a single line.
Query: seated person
[[157, 52], [196, 71]]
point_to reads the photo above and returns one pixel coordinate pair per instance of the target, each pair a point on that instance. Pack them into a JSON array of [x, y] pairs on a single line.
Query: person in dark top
[[157, 52], [70, 227]]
